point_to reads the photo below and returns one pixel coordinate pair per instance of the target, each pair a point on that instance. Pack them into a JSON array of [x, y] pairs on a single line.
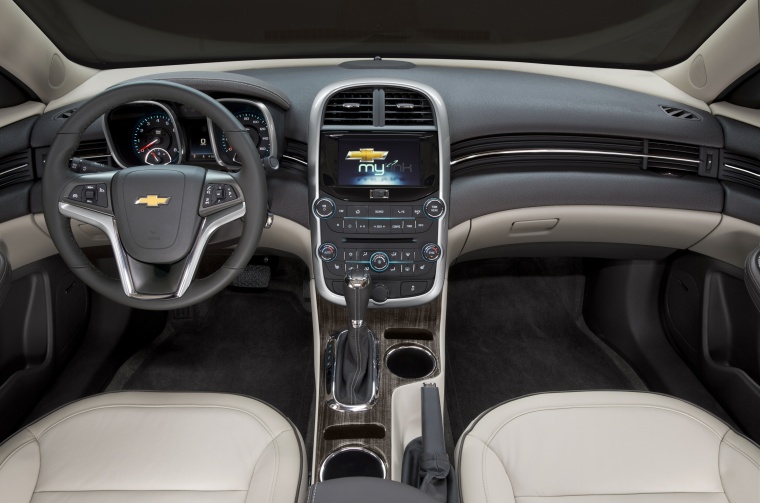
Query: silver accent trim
[[14, 169], [333, 402], [756, 175], [295, 159], [107, 224], [352, 448], [177, 132], [417, 348], [270, 125], [444, 152], [496, 153]]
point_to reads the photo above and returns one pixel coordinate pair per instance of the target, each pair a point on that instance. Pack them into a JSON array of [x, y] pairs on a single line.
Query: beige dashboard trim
[[730, 242], [592, 224], [20, 112], [741, 114]]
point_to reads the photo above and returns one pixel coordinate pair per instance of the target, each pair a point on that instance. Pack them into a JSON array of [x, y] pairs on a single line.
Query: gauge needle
[[148, 145], [154, 156]]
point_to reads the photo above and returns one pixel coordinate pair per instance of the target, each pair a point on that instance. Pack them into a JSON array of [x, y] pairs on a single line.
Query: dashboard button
[[324, 208], [434, 208], [337, 268], [327, 252], [364, 255], [379, 261], [335, 224], [411, 288], [424, 224], [431, 252], [408, 255], [379, 226], [379, 211], [362, 227], [394, 270], [401, 212], [407, 269], [358, 211], [417, 212], [421, 268], [349, 255], [349, 226], [394, 255], [409, 226], [340, 211], [397, 226]]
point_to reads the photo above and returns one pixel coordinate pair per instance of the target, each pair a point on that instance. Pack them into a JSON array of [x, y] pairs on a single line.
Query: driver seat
[[155, 447]]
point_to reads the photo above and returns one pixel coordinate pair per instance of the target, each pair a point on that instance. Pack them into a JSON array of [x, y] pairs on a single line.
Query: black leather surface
[[740, 137], [486, 102], [480, 194], [752, 276], [742, 202], [15, 137], [14, 201], [355, 355], [5, 277], [365, 490]]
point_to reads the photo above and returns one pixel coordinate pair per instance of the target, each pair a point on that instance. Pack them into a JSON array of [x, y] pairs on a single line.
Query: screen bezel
[[329, 165]]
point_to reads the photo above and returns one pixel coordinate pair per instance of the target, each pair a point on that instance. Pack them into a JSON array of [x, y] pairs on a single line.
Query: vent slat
[[407, 108], [680, 113], [740, 169], [358, 112], [16, 168]]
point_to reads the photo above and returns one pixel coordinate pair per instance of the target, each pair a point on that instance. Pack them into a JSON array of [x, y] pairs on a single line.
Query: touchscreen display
[[379, 162]]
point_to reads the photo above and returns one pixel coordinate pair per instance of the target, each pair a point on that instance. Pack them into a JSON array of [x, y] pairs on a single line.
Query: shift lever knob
[[357, 292]]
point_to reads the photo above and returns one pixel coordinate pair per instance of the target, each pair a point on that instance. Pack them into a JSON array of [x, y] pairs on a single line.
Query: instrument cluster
[[155, 133]]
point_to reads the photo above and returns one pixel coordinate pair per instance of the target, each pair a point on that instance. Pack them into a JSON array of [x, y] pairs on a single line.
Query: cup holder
[[352, 462], [410, 362]]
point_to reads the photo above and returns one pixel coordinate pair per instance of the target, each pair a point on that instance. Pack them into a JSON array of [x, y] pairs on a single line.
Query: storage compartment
[[352, 462], [410, 361]]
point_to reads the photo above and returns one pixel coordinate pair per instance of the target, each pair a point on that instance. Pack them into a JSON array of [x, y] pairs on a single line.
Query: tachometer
[[257, 127], [153, 139]]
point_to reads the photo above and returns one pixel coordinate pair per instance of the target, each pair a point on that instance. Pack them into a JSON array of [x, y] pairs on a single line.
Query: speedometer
[[153, 139], [257, 127]]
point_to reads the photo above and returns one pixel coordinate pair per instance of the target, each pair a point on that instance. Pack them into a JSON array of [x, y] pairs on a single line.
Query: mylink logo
[[367, 158]]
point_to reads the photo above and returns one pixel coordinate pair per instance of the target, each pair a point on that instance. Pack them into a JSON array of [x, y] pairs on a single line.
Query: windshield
[[643, 34]]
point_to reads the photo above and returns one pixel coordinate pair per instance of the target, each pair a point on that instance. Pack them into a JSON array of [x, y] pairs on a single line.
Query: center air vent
[[350, 108], [407, 108]]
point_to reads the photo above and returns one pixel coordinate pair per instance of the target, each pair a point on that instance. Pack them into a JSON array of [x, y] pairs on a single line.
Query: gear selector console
[[380, 191]]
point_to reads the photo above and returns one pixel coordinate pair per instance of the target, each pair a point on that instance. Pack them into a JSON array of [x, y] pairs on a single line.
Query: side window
[[12, 92]]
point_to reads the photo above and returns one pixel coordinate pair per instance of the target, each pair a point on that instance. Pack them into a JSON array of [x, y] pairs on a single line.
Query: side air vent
[[741, 169], [350, 108], [680, 113], [65, 114], [94, 150], [295, 155], [407, 108], [16, 168], [672, 157]]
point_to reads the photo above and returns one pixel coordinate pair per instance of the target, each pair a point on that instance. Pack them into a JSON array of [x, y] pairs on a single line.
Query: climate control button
[[379, 261], [324, 208], [327, 252], [431, 252], [434, 208]]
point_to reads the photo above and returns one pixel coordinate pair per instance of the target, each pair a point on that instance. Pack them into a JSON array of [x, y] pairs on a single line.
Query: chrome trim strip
[[14, 169], [295, 159], [107, 224], [756, 175], [177, 130], [333, 402], [315, 129], [270, 124], [352, 448], [495, 153]]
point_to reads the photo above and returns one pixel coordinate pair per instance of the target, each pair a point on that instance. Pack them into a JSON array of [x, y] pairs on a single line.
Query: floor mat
[[515, 327], [254, 344]]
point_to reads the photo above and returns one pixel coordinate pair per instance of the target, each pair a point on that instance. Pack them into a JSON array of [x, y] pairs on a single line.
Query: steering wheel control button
[[412, 288], [324, 208], [434, 208], [229, 192], [379, 261], [431, 252], [76, 194], [101, 195], [327, 252], [93, 194]]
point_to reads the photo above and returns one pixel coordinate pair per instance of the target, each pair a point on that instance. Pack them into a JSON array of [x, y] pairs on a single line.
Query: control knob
[[431, 252], [327, 252], [434, 208], [324, 208]]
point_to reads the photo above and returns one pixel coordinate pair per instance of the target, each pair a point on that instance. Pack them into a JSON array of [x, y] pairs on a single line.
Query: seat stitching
[[256, 466], [276, 466], [587, 406], [744, 454], [138, 406], [16, 450], [506, 472]]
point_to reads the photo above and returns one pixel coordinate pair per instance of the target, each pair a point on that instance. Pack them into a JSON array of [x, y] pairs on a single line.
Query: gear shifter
[[355, 379]]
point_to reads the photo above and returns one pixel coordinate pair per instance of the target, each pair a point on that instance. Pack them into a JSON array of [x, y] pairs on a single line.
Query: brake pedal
[[254, 276]]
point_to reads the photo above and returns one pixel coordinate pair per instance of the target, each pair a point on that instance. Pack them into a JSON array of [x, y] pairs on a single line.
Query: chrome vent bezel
[[351, 107]]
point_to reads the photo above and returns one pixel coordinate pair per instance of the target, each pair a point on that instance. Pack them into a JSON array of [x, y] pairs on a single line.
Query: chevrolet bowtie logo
[[366, 155], [152, 201]]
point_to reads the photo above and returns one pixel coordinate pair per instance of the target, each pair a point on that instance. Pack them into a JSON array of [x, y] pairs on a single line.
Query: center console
[[380, 194]]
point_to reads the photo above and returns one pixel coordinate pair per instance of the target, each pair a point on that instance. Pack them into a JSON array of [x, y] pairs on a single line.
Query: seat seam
[[139, 406], [276, 466], [588, 406], [276, 455], [744, 454], [483, 465], [18, 449]]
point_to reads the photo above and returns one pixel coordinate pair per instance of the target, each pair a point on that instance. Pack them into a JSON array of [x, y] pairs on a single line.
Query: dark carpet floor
[[515, 327], [255, 344]]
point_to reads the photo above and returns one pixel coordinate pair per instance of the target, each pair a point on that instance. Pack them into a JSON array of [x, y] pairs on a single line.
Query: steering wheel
[[158, 219]]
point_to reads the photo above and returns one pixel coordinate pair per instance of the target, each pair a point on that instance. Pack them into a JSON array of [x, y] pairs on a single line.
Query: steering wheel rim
[[58, 208]]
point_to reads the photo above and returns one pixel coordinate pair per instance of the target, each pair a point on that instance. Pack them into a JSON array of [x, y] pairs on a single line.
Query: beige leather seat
[[156, 447], [605, 446]]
